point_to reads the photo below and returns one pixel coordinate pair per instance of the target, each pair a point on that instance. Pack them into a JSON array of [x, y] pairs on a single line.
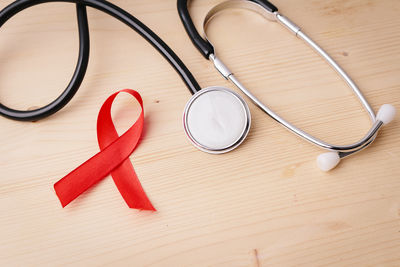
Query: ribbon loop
[[113, 158]]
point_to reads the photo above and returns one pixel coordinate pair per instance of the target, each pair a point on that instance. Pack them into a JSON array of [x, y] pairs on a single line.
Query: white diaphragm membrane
[[216, 120]]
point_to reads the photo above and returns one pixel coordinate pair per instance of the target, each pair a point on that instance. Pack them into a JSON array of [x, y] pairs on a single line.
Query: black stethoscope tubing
[[84, 48], [203, 45]]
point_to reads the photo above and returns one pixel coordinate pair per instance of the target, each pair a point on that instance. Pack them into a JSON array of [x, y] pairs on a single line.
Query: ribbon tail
[[129, 186], [89, 173]]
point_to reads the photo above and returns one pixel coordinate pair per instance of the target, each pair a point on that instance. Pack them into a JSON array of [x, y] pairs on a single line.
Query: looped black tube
[[116, 12], [203, 45], [76, 80]]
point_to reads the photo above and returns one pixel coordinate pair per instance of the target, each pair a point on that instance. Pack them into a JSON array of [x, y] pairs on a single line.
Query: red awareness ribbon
[[113, 158]]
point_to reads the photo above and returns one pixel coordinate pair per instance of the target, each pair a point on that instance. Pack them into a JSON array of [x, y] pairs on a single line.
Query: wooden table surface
[[263, 204]]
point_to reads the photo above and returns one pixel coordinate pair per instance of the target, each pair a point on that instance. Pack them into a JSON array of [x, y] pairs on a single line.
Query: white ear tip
[[328, 161], [386, 113]]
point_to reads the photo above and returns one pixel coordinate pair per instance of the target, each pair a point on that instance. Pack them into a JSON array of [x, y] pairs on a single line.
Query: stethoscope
[[216, 119], [325, 161]]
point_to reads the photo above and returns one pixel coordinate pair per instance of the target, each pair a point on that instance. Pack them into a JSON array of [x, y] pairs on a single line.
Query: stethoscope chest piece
[[216, 120]]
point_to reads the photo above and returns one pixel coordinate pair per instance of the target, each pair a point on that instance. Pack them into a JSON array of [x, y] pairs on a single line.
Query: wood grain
[[264, 204]]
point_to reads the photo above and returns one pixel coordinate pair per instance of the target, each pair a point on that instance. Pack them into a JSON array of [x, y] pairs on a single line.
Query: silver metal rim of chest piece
[[245, 121]]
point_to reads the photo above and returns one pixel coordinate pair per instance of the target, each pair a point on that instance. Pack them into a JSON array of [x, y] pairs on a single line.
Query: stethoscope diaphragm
[[216, 120]]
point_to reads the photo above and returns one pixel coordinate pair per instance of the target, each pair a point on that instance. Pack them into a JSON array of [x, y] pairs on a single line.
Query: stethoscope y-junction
[[325, 161]]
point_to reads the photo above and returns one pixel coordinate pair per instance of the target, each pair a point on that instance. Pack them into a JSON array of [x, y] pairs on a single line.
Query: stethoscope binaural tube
[[325, 161], [208, 118]]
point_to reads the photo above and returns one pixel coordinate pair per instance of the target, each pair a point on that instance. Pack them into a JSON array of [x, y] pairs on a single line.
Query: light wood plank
[[264, 204]]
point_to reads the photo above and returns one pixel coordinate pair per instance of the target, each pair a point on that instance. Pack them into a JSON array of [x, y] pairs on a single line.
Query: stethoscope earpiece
[[216, 120], [386, 113], [328, 160]]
